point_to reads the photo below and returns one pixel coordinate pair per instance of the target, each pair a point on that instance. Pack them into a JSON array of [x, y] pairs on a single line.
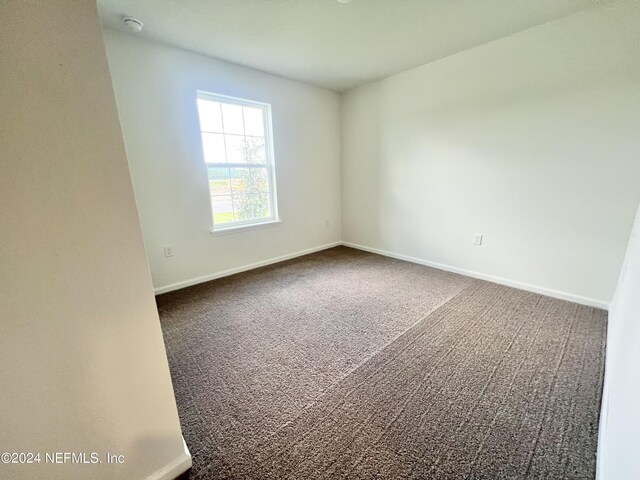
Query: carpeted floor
[[345, 364]]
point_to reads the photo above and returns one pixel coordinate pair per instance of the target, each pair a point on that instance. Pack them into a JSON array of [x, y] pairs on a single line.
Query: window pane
[[236, 148], [213, 147], [219, 182], [249, 180], [260, 179], [251, 206], [253, 121], [232, 118], [222, 207], [262, 206], [241, 179], [210, 118], [255, 150], [243, 210]]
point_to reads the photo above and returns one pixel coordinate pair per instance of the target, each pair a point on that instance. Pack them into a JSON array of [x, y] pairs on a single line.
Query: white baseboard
[[601, 453], [591, 302], [175, 468], [601, 462], [244, 268]]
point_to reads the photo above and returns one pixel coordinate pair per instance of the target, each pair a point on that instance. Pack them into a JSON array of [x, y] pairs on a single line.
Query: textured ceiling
[[329, 44]]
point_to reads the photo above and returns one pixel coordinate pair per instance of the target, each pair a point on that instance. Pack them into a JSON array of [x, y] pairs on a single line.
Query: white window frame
[[240, 225]]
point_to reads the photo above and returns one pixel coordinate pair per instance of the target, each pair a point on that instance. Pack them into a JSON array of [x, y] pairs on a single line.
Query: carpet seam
[[349, 373]]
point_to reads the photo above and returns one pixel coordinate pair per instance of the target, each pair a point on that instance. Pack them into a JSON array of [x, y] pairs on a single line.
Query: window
[[236, 142]]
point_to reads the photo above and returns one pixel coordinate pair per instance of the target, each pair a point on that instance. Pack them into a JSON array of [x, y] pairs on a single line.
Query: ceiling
[[330, 44]]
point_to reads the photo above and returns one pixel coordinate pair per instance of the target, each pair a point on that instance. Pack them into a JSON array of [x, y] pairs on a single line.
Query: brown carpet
[[345, 364]]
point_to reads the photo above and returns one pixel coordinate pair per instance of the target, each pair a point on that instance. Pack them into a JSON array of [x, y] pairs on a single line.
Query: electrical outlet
[[168, 252], [326, 223], [477, 239]]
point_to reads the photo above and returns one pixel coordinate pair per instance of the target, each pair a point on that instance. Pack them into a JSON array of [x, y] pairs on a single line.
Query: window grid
[[256, 202]]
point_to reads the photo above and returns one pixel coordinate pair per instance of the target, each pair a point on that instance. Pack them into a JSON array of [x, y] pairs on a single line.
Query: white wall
[[531, 140], [155, 88], [620, 418], [82, 360]]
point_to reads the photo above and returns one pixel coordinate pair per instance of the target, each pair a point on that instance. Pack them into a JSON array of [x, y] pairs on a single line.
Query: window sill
[[244, 228]]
